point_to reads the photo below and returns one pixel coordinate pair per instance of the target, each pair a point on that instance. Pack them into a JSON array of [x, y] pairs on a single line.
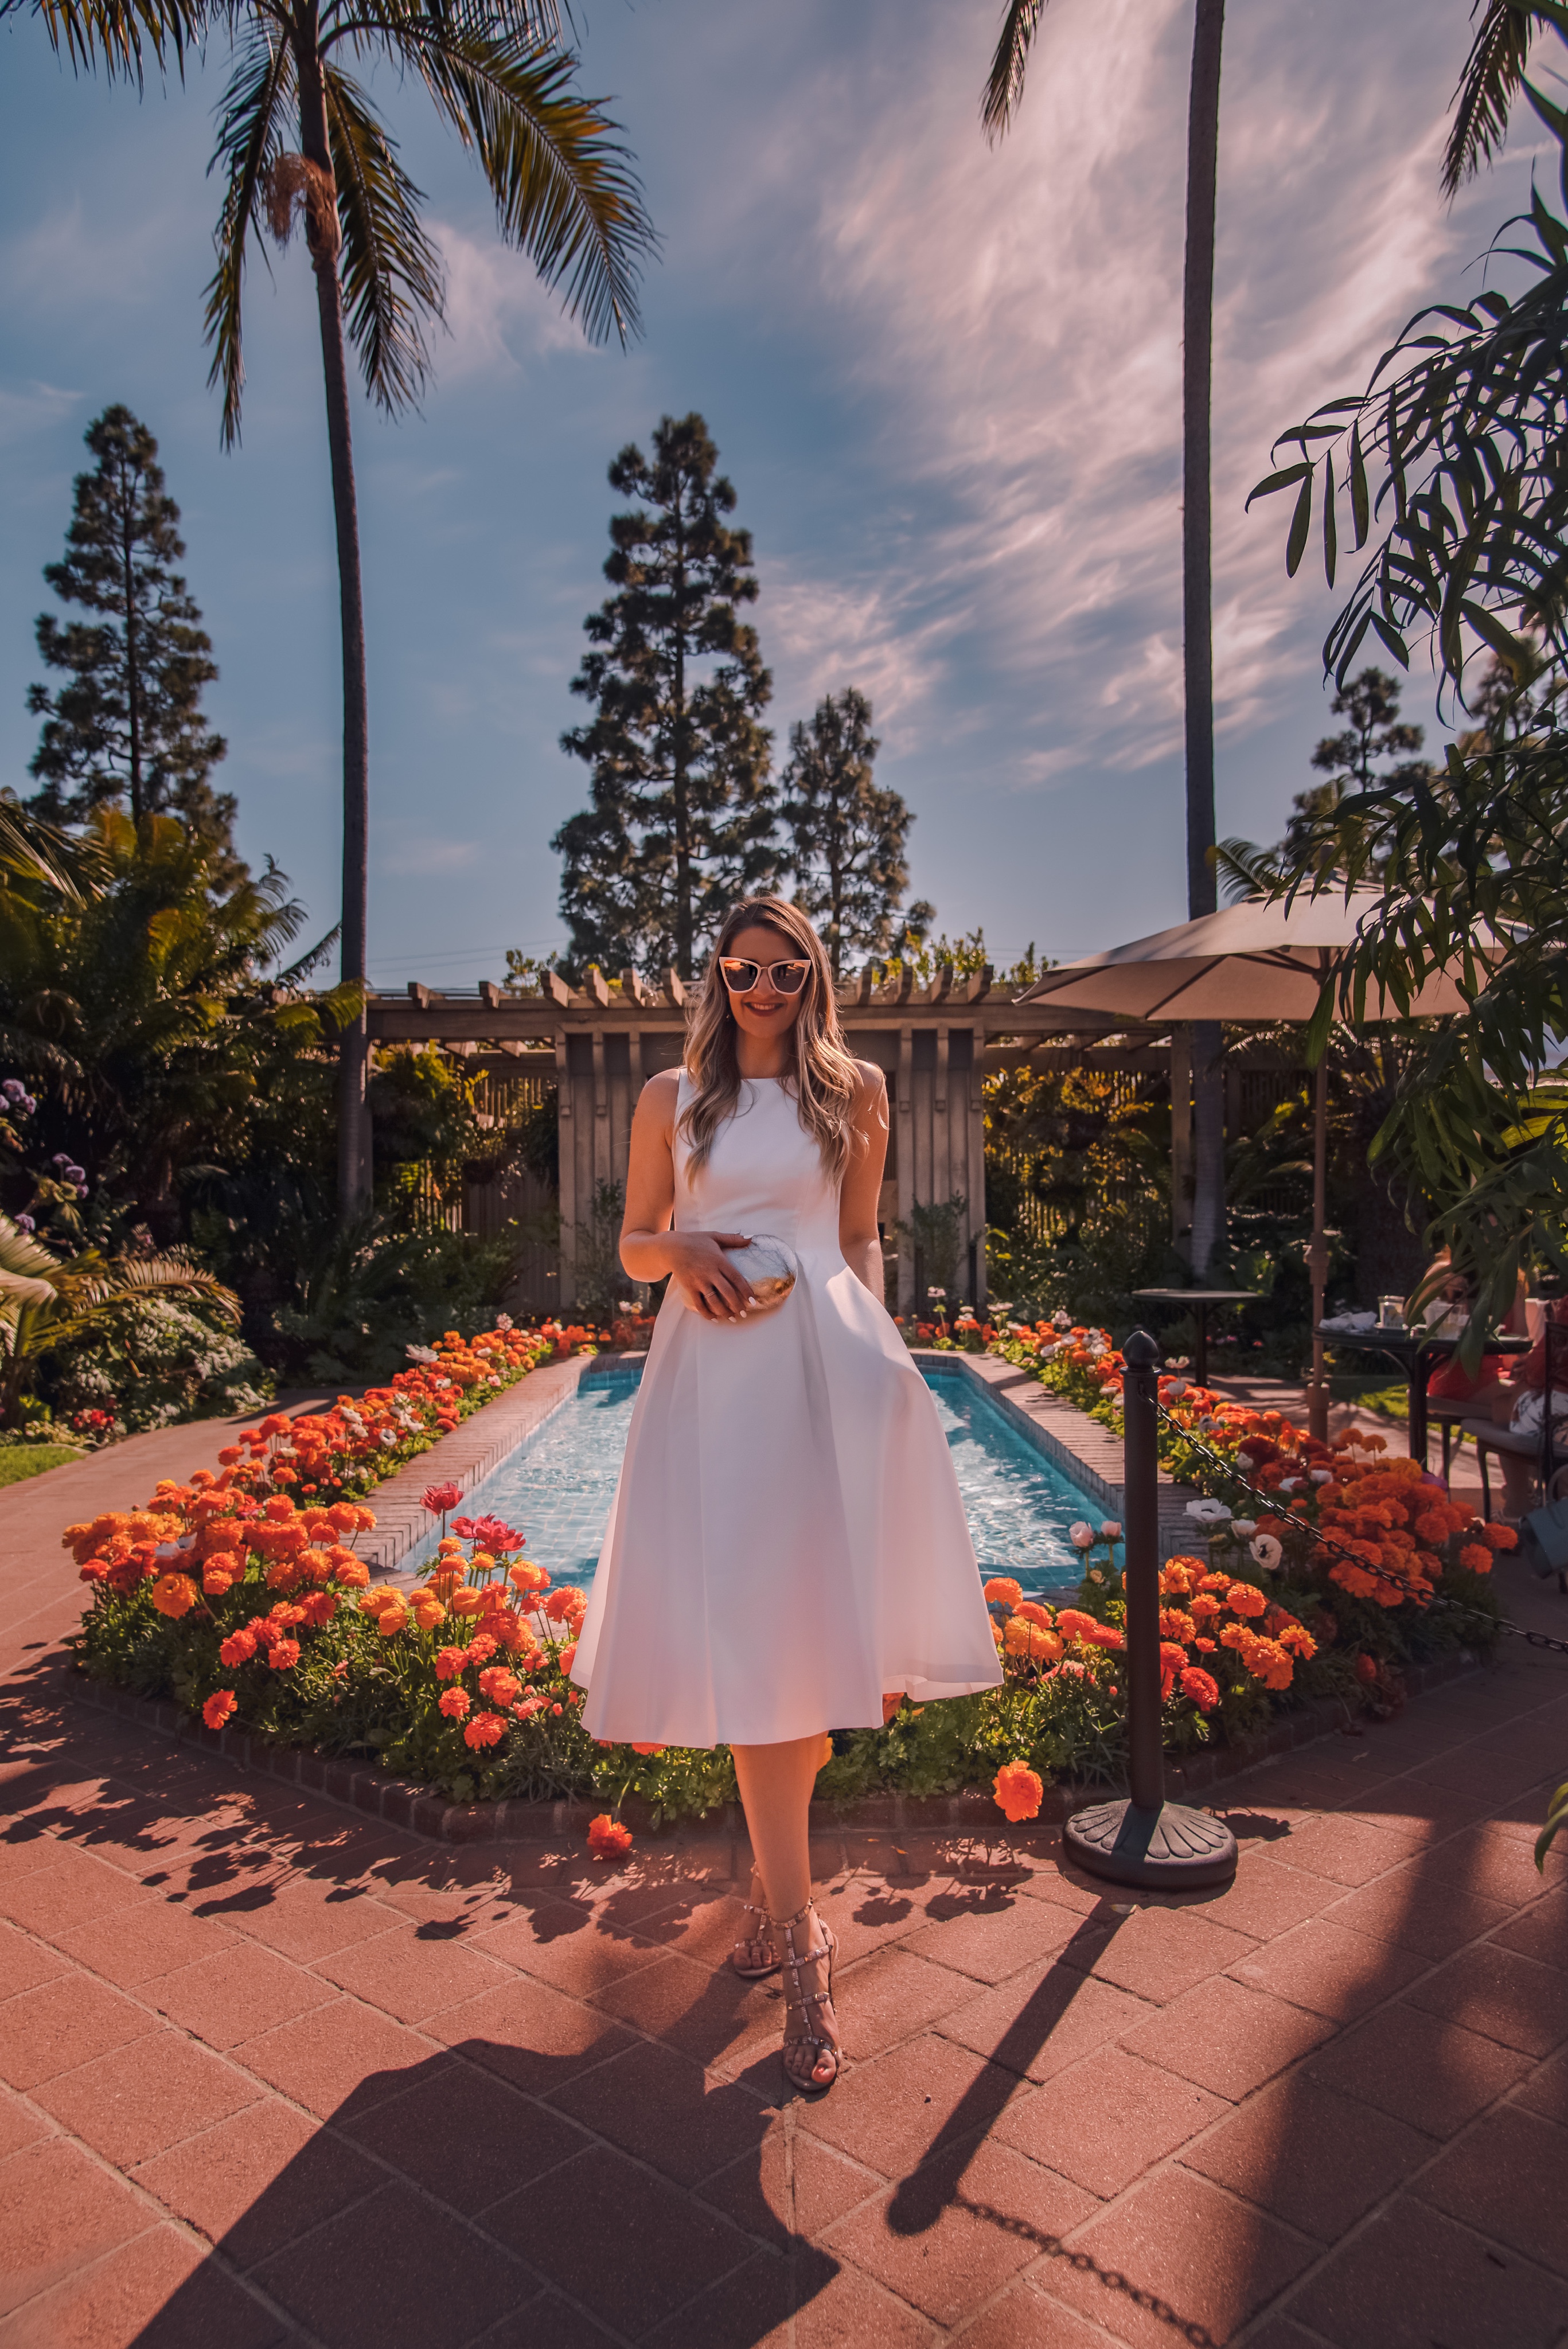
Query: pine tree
[[847, 837], [683, 809], [1371, 702], [127, 725]]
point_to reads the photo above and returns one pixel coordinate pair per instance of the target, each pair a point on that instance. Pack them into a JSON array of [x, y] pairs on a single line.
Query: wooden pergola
[[601, 1043]]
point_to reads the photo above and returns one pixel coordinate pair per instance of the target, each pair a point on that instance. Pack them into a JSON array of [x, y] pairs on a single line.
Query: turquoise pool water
[[558, 1484]]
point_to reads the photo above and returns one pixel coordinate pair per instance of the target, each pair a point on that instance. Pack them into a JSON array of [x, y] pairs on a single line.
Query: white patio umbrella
[[1249, 965]]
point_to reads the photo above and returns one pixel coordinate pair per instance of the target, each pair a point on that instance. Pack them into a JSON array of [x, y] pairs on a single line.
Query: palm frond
[[249, 136], [120, 34], [35, 852], [1005, 84], [564, 192], [1493, 73], [1245, 870], [390, 270]]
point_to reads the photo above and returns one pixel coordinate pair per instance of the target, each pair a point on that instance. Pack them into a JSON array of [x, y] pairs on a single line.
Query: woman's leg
[[776, 1782]]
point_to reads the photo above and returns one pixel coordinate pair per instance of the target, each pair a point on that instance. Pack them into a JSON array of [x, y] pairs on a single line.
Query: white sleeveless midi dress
[[787, 1539]]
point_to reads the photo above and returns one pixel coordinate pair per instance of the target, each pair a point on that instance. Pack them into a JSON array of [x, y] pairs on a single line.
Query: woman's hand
[[703, 1276]]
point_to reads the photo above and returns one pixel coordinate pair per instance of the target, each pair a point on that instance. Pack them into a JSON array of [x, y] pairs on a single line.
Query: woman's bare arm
[[858, 1233], [703, 1274]]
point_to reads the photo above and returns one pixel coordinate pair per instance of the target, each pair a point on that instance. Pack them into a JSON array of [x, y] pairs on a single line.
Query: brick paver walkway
[[274, 2075]]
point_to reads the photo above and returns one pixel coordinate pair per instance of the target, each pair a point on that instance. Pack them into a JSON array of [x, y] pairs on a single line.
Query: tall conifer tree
[[127, 727], [847, 837], [683, 808]]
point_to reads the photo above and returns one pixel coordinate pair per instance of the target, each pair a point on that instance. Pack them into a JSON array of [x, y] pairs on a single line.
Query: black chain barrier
[[1322, 1541]]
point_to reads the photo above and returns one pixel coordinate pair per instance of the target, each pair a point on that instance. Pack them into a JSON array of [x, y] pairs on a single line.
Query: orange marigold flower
[[283, 1655], [1175, 1623], [1501, 1537], [1203, 1691], [1245, 1598], [484, 1729], [1204, 1608], [455, 1703], [1031, 1612], [1025, 1638], [1074, 1624], [1019, 1791], [1477, 1556], [238, 1648], [1003, 1591], [217, 1709], [499, 1686], [174, 1594], [647, 1749], [481, 1649], [319, 1608], [567, 1657], [607, 1839], [392, 1620], [450, 1661], [526, 1576], [279, 1509]]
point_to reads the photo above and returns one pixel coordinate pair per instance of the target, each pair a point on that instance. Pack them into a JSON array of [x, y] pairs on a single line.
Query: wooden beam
[[674, 988], [490, 993], [556, 988], [420, 995]]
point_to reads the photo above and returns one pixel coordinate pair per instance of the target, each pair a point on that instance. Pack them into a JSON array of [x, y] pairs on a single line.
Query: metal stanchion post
[[1146, 1841]]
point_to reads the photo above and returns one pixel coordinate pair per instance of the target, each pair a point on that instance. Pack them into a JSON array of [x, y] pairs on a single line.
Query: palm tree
[[300, 141], [1003, 92]]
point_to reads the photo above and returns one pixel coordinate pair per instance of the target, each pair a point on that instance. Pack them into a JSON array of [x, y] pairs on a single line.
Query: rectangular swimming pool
[[558, 1484]]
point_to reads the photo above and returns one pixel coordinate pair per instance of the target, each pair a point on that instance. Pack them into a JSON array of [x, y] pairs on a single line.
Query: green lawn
[[18, 1461]]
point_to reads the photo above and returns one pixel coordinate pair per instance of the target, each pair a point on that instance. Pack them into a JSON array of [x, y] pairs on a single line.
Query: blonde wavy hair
[[824, 1077]]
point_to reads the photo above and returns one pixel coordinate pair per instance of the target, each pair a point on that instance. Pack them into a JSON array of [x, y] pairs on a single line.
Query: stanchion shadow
[[934, 2183]]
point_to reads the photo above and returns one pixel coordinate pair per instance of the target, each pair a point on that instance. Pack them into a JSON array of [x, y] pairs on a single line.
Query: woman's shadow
[[478, 2196]]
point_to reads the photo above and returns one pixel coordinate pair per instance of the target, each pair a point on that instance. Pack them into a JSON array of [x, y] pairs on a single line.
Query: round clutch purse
[[770, 1268]]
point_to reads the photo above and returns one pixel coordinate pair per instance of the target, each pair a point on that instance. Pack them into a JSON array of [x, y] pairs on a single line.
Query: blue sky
[[944, 380]]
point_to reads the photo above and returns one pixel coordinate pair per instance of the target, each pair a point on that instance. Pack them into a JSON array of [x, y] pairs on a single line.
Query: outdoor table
[[1415, 1352], [1198, 1300]]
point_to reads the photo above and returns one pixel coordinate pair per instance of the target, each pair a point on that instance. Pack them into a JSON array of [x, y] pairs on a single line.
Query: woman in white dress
[[787, 1541]]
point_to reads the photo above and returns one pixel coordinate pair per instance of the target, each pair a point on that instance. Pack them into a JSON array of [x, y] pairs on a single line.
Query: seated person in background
[[1445, 1305], [1522, 1405]]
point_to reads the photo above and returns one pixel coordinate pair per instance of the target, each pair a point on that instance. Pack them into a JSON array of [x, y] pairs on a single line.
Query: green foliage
[[1457, 452], [846, 836], [683, 808], [364, 1294], [156, 1362], [602, 1282], [127, 728], [51, 1306]]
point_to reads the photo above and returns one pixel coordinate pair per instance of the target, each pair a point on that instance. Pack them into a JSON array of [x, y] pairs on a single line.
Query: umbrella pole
[[1317, 1400]]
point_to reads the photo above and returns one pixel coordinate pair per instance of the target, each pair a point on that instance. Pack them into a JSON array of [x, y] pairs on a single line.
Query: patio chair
[[1491, 1438], [1448, 1416]]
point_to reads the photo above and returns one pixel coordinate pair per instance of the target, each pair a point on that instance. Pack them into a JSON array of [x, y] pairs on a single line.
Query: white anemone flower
[[1110, 1530], [1244, 1527], [1081, 1536], [1209, 1512], [1265, 1551]]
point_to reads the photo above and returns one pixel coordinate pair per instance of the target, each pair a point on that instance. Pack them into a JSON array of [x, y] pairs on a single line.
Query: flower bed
[[1369, 1549], [242, 1598]]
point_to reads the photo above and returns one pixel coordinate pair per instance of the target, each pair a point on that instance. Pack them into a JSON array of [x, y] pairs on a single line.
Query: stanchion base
[[1173, 1849]]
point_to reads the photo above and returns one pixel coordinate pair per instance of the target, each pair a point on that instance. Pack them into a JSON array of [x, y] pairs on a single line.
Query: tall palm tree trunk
[[354, 1176], [1197, 593]]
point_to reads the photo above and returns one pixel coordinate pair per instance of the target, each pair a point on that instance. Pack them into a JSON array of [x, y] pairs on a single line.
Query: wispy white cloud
[[29, 408], [498, 314]]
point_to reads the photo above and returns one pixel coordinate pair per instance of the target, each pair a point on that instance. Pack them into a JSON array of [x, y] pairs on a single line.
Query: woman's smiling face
[[764, 1011]]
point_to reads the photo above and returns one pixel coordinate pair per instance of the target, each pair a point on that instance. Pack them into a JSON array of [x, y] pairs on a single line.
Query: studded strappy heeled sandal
[[799, 2003], [744, 1958]]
